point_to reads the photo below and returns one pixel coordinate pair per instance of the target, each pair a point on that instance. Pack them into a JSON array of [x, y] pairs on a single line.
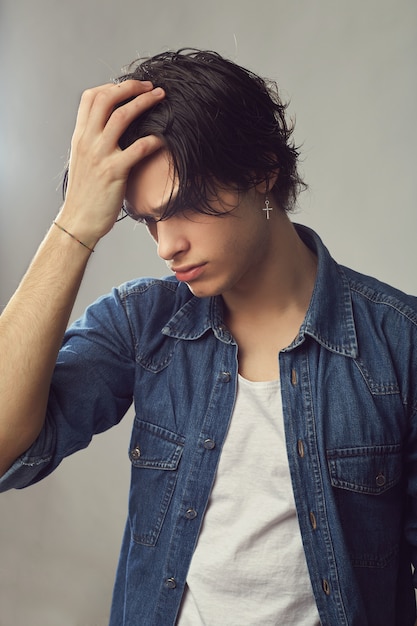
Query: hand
[[98, 168]]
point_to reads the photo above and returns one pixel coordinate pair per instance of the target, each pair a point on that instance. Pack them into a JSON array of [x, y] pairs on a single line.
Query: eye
[[148, 220], [129, 211]]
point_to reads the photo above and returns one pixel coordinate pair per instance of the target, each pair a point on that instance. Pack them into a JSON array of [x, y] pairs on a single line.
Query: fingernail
[[157, 91]]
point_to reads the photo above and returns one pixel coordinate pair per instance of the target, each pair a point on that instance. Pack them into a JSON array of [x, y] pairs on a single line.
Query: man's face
[[212, 254]]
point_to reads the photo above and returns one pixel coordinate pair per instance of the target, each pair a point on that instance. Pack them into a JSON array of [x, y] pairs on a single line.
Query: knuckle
[[87, 95], [121, 114], [94, 94], [102, 97]]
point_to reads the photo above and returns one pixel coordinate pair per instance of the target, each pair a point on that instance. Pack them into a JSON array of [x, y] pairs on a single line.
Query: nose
[[170, 238]]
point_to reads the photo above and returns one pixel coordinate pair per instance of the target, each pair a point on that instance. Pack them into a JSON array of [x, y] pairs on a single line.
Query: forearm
[[31, 331]]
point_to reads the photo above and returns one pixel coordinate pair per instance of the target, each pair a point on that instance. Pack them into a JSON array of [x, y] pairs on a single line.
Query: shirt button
[[209, 444], [300, 448], [135, 453], [225, 377], [326, 586], [171, 583], [380, 479], [313, 520], [191, 514]]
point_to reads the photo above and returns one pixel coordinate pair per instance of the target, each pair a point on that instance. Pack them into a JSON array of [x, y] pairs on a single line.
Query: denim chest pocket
[[370, 497], [155, 455]]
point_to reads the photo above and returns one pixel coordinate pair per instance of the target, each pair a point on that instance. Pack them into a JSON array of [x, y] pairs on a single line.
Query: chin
[[200, 291]]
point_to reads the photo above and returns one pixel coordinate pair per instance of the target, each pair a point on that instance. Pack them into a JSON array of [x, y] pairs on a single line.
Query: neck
[[281, 283]]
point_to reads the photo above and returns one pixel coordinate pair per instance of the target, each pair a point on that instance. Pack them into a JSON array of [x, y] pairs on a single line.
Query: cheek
[[243, 243]]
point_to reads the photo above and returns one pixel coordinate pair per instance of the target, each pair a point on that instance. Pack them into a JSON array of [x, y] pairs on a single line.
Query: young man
[[274, 390]]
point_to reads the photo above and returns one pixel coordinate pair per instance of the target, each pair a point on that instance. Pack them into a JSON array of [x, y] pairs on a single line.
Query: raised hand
[[98, 168]]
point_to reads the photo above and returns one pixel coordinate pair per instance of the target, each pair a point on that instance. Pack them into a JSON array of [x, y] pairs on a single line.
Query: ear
[[267, 184]]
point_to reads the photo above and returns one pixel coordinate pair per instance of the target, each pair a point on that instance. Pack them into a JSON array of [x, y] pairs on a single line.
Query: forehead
[[151, 183]]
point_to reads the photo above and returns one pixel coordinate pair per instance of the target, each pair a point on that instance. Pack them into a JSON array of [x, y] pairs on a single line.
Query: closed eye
[[148, 220], [129, 211]]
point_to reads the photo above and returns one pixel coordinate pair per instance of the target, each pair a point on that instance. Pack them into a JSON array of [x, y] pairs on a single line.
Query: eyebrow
[[134, 214], [159, 210]]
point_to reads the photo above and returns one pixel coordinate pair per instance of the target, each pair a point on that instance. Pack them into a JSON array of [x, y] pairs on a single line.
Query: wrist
[[67, 232], [77, 229]]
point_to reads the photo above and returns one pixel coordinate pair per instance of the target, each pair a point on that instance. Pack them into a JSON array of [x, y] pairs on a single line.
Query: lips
[[189, 273]]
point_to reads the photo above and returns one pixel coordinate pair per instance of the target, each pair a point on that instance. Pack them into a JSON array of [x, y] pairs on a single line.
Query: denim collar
[[329, 318]]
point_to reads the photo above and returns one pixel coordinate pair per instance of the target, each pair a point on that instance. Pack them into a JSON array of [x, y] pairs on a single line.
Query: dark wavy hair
[[222, 124]]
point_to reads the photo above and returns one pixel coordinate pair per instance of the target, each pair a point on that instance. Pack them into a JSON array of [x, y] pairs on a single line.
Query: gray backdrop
[[348, 68]]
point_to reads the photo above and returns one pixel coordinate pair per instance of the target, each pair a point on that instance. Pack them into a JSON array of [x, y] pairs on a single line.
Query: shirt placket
[[307, 479], [198, 485]]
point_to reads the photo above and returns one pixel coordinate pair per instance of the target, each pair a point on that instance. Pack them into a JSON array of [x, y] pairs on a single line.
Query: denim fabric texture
[[349, 398]]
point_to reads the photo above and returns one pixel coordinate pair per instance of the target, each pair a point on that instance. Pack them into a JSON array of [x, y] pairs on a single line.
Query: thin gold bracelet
[[73, 236]]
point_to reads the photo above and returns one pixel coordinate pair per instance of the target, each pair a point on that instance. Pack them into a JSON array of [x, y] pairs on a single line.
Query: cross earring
[[267, 208]]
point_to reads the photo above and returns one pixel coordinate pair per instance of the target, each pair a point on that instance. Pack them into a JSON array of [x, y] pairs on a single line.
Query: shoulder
[[140, 303], [375, 296], [140, 286], [166, 293], [150, 303]]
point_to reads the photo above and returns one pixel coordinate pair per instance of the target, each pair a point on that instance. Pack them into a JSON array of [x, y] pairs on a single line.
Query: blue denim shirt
[[349, 398]]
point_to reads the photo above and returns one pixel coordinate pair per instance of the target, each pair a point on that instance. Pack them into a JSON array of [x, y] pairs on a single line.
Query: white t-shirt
[[249, 567]]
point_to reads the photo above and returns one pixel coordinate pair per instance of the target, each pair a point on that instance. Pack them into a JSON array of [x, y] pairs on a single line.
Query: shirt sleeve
[[91, 390]]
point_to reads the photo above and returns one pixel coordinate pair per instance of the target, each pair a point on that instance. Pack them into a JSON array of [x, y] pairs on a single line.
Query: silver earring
[[267, 208]]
